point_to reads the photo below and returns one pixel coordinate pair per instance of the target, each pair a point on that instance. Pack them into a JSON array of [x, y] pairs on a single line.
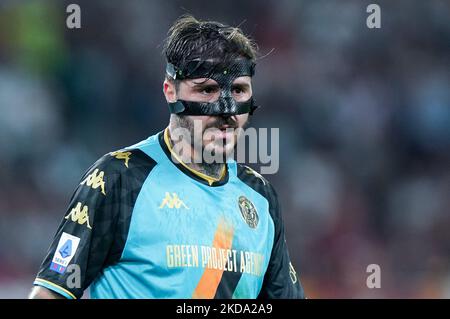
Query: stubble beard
[[197, 144]]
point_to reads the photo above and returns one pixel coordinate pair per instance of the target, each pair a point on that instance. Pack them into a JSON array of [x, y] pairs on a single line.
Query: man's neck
[[214, 170]]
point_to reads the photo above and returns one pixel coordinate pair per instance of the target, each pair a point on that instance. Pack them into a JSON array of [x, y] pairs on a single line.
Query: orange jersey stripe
[[207, 286]]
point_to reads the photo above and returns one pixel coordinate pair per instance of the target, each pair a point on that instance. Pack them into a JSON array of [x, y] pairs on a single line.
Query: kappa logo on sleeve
[[292, 273], [122, 156], [66, 249], [95, 180], [79, 214]]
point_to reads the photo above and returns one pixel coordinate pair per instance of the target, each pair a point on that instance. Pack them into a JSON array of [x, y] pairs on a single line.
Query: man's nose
[[228, 106], [229, 119]]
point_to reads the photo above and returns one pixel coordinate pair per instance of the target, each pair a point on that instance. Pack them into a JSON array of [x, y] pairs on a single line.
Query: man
[[156, 219]]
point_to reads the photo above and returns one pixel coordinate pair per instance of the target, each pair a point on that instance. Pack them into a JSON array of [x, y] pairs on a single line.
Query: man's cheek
[[242, 122]]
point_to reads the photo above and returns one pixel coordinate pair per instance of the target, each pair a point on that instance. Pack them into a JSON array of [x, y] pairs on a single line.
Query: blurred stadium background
[[364, 118]]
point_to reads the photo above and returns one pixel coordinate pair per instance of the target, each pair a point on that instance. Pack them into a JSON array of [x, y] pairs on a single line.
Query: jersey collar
[[166, 145]]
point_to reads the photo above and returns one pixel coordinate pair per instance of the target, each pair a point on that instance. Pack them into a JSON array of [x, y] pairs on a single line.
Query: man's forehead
[[244, 80]]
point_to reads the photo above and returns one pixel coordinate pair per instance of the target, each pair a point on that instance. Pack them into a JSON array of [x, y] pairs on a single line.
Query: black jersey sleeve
[[280, 280], [94, 227]]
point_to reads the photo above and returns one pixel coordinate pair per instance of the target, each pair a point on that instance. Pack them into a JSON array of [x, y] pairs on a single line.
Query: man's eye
[[238, 91], [208, 90]]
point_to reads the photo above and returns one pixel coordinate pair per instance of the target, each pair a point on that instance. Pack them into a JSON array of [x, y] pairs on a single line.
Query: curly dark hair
[[189, 39]]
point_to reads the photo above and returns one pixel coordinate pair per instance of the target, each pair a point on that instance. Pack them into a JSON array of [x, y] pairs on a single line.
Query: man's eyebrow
[[204, 84], [243, 85]]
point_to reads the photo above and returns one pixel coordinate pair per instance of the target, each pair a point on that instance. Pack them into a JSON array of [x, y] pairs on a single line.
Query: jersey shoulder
[[258, 183], [124, 162], [252, 178]]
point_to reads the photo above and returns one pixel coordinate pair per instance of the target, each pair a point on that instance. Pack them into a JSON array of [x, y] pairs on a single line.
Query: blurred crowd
[[364, 118]]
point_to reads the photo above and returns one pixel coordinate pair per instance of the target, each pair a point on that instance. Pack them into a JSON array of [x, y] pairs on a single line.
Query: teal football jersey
[[143, 225]]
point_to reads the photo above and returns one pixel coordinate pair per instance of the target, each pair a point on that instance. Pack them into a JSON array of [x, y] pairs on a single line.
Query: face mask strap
[[182, 107]]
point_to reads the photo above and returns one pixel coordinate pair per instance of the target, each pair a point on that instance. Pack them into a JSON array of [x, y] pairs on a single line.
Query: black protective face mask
[[224, 74]]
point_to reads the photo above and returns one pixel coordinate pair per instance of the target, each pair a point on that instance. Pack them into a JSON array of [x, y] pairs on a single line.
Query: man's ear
[[169, 91]]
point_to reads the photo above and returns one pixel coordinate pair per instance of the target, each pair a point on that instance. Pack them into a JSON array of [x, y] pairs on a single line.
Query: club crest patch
[[248, 211]]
